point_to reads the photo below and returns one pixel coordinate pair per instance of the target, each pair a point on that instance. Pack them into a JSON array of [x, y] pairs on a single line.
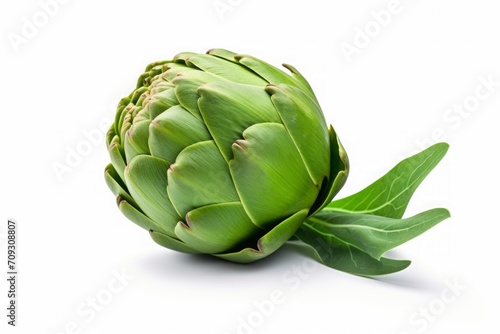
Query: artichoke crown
[[222, 153]]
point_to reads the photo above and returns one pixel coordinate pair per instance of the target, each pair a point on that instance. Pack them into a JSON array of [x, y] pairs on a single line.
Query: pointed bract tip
[[119, 200], [239, 144], [186, 224], [212, 51], [290, 68], [272, 88]]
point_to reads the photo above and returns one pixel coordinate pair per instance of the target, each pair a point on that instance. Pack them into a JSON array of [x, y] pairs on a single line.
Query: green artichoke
[[223, 154]]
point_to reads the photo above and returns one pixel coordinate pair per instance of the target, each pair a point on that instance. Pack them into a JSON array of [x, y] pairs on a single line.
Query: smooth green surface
[[146, 177], [336, 254], [268, 72], [372, 234], [228, 109], [270, 242], [389, 196], [304, 122], [169, 127], [222, 68], [200, 176], [203, 228], [272, 180], [116, 185], [117, 156], [136, 140], [172, 243], [339, 170], [139, 218]]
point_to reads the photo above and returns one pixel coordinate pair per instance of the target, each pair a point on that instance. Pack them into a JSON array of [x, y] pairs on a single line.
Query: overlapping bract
[[223, 154]]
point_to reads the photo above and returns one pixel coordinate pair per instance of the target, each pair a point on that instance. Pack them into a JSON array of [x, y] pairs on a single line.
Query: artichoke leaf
[[200, 176], [299, 77], [169, 127], [270, 73], [139, 218], [304, 121], [167, 241], [160, 102], [339, 170], [342, 256], [228, 109], [116, 185], [136, 139], [224, 54], [269, 174], [372, 234], [270, 242], [221, 67], [117, 156], [146, 178], [389, 196], [203, 226]]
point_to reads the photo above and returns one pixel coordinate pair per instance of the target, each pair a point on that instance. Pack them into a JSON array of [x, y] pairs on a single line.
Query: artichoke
[[223, 154]]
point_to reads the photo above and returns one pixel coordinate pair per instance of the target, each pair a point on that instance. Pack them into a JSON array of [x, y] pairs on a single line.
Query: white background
[[386, 101]]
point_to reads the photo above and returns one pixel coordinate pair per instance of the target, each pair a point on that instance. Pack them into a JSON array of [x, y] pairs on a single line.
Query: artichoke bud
[[223, 154]]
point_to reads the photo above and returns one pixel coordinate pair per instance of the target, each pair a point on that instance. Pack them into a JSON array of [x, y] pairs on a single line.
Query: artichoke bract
[[223, 154]]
